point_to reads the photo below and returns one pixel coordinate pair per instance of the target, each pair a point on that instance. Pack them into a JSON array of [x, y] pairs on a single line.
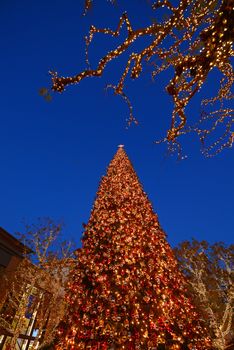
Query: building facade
[[12, 253]]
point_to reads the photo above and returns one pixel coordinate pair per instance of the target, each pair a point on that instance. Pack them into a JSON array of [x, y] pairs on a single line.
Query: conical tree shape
[[125, 291]]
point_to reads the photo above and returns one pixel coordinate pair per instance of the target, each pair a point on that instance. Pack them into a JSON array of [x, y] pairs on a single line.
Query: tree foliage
[[210, 273], [191, 37]]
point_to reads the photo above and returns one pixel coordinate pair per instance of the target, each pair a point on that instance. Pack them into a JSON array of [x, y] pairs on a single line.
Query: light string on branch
[[195, 37]]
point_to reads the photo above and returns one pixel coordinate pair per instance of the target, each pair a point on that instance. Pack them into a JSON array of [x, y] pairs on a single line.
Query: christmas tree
[[125, 291]]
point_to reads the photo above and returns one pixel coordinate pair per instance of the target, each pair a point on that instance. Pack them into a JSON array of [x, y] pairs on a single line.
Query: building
[[31, 296], [12, 253]]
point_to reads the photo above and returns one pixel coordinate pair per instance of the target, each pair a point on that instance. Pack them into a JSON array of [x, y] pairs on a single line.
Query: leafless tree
[[210, 273], [36, 288]]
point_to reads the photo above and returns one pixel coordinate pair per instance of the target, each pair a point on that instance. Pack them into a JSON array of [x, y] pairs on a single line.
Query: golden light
[[202, 34]]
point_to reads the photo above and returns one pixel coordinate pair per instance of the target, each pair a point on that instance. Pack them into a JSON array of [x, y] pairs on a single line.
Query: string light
[[202, 34]]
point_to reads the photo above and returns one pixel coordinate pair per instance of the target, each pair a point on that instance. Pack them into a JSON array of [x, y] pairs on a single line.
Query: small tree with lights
[[209, 270], [126, 291], [32, 295]]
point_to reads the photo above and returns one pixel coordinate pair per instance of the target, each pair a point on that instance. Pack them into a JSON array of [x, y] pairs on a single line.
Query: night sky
[[53, 154]]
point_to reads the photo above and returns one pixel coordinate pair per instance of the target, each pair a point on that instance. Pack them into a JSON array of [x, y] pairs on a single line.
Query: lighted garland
[[202, 33]]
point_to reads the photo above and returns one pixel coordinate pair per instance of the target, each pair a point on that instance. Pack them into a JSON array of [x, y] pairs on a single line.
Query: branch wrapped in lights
[[201, 38], [88, 4]]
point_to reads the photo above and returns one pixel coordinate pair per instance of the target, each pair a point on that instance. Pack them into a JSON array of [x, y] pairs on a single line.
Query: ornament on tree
[[125, 290]]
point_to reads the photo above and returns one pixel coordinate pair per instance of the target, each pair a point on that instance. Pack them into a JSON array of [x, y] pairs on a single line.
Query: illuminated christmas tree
[[125, 291]]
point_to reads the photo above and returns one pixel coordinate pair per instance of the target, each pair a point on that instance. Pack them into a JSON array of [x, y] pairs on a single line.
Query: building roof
[[12, 244]]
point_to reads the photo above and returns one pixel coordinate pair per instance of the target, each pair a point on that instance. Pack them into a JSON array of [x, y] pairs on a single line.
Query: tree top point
[[120, 146]]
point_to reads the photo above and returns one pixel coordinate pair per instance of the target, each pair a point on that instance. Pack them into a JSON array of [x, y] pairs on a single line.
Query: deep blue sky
[[52, 155]]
